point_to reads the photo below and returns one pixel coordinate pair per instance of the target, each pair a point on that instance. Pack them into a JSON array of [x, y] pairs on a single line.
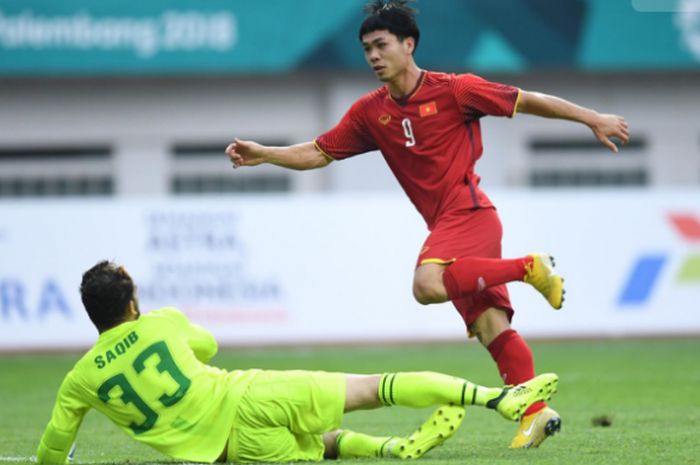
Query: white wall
[[141, 119]]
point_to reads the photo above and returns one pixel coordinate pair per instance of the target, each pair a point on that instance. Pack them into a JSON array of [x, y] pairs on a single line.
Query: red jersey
[[431, 139]]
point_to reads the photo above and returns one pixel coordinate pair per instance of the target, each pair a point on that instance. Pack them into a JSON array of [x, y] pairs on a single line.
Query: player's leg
[[294, 416], [440, 282], [468, 275], [362, 392], [424, 389], [487, 314], [507, 348], [438, 428], [455, 262], [436, 282], [347, 444], [516, 365]]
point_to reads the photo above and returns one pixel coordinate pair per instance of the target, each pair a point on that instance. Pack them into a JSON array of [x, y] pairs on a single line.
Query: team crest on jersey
[[428, 109], [384, 119]]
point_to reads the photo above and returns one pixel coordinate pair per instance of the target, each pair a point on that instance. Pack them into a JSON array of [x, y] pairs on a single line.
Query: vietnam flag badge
[[428, 109]]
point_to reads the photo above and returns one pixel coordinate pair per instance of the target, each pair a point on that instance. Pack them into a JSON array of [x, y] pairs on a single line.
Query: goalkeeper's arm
[[59, 435]]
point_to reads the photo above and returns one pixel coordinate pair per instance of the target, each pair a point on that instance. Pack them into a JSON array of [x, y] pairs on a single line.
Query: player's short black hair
[[394, 16], [106, 290]]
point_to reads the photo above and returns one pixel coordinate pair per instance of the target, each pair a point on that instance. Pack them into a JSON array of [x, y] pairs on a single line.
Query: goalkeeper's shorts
[[283, 414]]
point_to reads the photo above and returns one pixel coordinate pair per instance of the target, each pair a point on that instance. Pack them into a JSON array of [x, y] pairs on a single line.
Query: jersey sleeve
[[201, 341], [478, 97], [67, 415], [349, 137]]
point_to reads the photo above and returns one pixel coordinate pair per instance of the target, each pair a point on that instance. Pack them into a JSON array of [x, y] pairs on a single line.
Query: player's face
[[386, 54]]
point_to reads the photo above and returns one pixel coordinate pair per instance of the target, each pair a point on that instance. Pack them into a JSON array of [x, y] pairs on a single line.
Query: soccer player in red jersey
[[427, 126]]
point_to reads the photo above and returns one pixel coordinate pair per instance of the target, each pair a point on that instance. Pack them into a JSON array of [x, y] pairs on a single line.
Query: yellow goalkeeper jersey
[[149, 376]]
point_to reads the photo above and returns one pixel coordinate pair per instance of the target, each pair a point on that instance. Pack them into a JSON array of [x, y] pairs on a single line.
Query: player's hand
[[606, 126], [245, 153]]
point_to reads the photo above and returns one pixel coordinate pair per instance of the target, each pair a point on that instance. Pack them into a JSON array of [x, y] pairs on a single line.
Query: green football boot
[[441, 425], [515, 400]]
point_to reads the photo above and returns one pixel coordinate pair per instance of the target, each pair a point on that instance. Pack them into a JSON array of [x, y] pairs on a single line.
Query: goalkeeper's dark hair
[[106, 290], [394, 16]]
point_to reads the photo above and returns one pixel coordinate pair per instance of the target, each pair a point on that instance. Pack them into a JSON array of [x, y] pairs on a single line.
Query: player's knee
[[426, 292], [428, 287], [330, 443]]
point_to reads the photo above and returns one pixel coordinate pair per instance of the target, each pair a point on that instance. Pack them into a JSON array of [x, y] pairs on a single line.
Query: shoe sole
[[543, 386], [441, 425], [556, 299], [555, 296], [552, 427]]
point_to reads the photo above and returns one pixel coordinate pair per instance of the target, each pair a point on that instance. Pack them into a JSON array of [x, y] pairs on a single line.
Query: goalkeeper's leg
[[423, 389]]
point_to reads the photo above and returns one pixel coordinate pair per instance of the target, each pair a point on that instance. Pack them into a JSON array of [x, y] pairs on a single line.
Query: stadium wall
[[142, 121], [337, 268]]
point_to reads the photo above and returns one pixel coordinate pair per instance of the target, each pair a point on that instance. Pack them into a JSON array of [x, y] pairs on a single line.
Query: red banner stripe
[[687, 225]]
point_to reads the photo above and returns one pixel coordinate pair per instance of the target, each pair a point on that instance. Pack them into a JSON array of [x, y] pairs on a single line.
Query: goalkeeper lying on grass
[[148, 374]]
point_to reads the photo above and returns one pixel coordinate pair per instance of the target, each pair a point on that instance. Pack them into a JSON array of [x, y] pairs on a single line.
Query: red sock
[[514, 360], [468, 275]]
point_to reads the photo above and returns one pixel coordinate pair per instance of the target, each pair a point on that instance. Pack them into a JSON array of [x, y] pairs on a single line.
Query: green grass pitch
[[648, 390]]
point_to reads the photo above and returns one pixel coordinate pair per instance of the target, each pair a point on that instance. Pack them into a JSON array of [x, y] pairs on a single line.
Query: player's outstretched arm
[[59, 435], [604, 126], [304, 156]]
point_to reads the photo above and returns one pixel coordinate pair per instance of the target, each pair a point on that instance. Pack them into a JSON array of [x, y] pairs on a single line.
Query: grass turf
[[647, 389]]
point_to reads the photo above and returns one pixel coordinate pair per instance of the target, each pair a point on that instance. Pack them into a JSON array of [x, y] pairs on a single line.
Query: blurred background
[[114, 117]]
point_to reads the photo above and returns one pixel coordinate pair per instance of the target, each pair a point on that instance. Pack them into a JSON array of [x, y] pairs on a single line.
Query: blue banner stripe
[[642, 279]]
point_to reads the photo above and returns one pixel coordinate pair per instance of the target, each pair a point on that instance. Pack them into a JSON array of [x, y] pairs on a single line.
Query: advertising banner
[[261, 270], [116, 38], [79, 37]]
